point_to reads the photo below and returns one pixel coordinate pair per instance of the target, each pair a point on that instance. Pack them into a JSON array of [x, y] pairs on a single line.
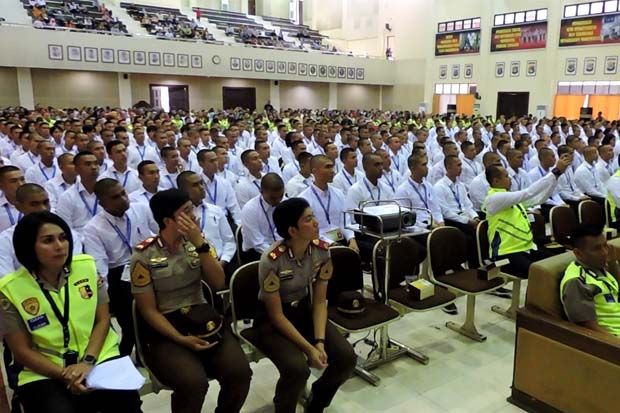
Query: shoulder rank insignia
[[321, 244], [277, 251], [271, 284], [140, 275], [145, 244]]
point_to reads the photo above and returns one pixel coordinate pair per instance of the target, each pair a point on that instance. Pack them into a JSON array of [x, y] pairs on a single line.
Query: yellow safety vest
[[606, 302], [509, 229], [24, 292], [612, 201]]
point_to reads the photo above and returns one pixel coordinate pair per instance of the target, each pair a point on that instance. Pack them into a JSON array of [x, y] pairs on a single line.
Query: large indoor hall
[[309, 206]]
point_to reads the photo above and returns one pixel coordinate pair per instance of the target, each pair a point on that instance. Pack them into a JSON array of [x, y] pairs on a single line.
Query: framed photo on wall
[[611, 65], [235, 63], [570, 68], [500, 69], [302, 69], [139, 57], [196, 61], [456, 71], [443, 72], [124, 57], [169, 59], [281, 67], [183, 60], [468, 71], [322, 71], [247, 65], [359, 73], [107, 55], [342, 72], [154, 59], [91, 54], [292, 68], [74, 53], [589, 65], [530, 68], [332, 71], [270, 66], [312, 69], [350, 73], [515, 69], [259, 65], [54, 52]]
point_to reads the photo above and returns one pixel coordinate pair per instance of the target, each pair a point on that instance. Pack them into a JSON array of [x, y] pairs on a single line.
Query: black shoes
[[450, 309]]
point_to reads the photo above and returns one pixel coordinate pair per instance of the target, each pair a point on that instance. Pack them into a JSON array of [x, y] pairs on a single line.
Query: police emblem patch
[[31, 305], [86, 292]]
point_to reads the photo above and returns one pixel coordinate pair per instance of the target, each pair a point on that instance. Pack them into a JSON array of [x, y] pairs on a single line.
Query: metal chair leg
[[511, 312], [468, 328]]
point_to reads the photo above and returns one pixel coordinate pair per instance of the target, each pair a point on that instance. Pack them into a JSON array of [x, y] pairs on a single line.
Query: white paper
[[117, 374]]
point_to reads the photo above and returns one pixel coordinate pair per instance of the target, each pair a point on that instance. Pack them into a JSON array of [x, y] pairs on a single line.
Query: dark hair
[[166, 150], [110, 145], [583, 231], [26, 190], [165, 203], [287, 215], [304, 157], [61, 158], [103, 185], [449, 160], [271, 182], [345, 152], [25, 237], [142, 164], [80, 155], [182, 179], [7, 169], [245, 154], [493, 172]]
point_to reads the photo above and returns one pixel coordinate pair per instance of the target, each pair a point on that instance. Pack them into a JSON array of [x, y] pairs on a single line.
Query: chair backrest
[[447, 248], [482, 239], [404, 260], [244, 290], [591, 213], [539, 233], [609, 214], [563, 223], [543, 287], [347, 274], [239, 241], [139, 328]]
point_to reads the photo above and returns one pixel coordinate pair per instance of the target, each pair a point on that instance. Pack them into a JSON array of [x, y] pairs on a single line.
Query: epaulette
[[146, 243], [277, 251], [320, 244]]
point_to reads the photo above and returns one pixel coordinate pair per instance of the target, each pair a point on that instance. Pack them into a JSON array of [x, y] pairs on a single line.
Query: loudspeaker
[[276, 82], [125, 76], [451, 109], [585, 114]]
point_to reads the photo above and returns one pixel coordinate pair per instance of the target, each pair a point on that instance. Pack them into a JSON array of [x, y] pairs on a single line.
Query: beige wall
[[358, 97], [9, 95], [408, 92], [303, 95], [67, 88]]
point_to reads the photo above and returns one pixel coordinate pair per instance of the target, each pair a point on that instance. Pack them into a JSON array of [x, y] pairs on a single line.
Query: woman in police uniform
[[166, 274], [294, 332], [56, 321]]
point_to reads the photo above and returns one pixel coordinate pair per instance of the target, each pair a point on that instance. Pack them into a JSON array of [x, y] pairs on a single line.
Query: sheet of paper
[[117, 374]]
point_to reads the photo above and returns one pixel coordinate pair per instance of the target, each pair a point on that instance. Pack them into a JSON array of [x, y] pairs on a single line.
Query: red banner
[[457, 43], [522, 37], [590, 30]]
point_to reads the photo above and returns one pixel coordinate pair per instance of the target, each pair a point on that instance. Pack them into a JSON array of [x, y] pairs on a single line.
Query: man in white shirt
[[327, 202], [187, 158], [586, 178], [98, 149], [219, 190], [172, 166], [11, 178], [30, 156], [270, 163], [119, 170], [348, 175], [547, 162], [109, 237], [291, 168], [518, 176], [63, 180], [391, 177], [257, 226], [45, 169], [212, 222], [369, 188], [438, 170], [397, 155], [567, 188], [222, 171], [479, 187], [302, 181], [140, 151], [613, 196], [471, 167], [148, 173], [249, 185], [278, 146], [604, 166]]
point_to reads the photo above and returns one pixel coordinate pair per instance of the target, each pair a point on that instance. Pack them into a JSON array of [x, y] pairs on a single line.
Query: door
[[252, 7], [512, 103], [244, 97], [179, 97]]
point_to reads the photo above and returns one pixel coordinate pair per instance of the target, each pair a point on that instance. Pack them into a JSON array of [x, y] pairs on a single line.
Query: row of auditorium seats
[[87, 16]]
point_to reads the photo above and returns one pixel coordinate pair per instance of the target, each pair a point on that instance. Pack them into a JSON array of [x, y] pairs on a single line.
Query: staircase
[[133, 26]]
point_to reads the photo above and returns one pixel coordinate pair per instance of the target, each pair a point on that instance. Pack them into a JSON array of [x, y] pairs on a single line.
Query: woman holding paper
[[55, 319]]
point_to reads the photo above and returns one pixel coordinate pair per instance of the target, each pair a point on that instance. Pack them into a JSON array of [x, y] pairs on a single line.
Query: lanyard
[[125, 238], [456, 196], [92, 210], [147, 197], [271, 227], [387, 178], [425, 199], [344, 172], [256, 185], [329, 201], [124, 180], [10, 214], [370, 191], [266, 168], [213, 197], [170, 180], [47, 178], [62, 318], [542, 172], [594, 177], [472, 165], [203, 218], [396, 162], [141, 152]]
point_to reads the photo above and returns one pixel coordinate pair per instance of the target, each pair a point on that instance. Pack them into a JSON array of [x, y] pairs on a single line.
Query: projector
[[384, 218]]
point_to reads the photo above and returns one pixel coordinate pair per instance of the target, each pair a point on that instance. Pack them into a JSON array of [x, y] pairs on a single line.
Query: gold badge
[[195, 262], [210, 326], [185, 310], [355, 303], [31, 305], [271, 283], [282, 248], [140, 275], [191, 248], [273, 255], [86, 292], [325, 272]]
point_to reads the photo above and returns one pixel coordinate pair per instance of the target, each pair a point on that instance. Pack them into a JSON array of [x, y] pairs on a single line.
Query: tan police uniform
[[280, 272], [175, 280]]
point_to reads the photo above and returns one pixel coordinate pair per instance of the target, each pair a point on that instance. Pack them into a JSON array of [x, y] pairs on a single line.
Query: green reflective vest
[[23, 291], [606, 302], [612, 201], [509, 229]]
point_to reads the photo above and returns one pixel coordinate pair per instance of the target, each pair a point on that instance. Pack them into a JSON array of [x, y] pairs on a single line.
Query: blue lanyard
[[271, 227], [147, 197], [425, 199], [542, 172], [594, 177], [92, 210], [397, 163], [203, 218], [456, 196], [171, 182], [213, 197], [369, 190], [47, 178], [141, 152], [329, 201], [390, 183], [344, 172], [256, 185], [266, 167], [10, 214], [472, 165], [125, 238], [124, 180]]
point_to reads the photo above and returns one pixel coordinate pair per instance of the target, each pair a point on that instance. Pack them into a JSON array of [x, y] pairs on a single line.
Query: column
[[380, 97], [274, 94], [124, 90], [24, 87], [244, 6], [333, 96]]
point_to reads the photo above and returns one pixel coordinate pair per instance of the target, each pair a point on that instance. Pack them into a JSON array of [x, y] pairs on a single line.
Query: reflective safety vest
[[612, 200], [24, 292], [606, 302], [509, 229]]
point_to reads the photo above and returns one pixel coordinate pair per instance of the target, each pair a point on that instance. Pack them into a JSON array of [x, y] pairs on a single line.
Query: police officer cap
[[287, 214], [165, 203]]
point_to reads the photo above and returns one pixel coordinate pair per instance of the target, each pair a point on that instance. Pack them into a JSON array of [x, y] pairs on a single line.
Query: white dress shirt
[[588, 181], [399, 161], [9, 215], [271, 166], [220, 192], [328, 208], [128, 179], [471, 168], [142, 195], [230, 176], [25, 161], [437, 172], [604, 170], [519, 179], [343, 180], [453, 201], [297, 184], [535, 194], [290, 170], [191, 164], [247, 188], [137, 154], [613, 189], [391, 178], [216, 229], [55, 187], [110, 239], [76, 206], [537, 174], [167, 180], [420, 196], [478, 190], [40, 174], [257, 226], [364, 190], [568, 188]]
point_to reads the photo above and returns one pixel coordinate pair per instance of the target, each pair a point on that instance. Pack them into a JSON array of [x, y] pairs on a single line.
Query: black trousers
[[250, 256], [187, 372], [293, 367], [120, 305], [470, 237], [52, 396], [520, 261]]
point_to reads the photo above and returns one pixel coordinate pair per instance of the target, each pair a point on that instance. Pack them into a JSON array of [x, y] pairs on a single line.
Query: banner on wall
[[521, 37], [457, 43], [590, 30]]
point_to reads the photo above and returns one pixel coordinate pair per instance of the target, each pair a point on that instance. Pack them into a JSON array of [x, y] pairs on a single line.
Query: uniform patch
[[325, 273], [144, 244], [140, 275], [158, 262], [86, 292], [321, 244], [271, 283], [276, 252], [31, 305], [82, 281], [38, 322]]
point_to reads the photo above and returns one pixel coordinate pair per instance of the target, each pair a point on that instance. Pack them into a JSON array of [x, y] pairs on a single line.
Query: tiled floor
[[463, 376]]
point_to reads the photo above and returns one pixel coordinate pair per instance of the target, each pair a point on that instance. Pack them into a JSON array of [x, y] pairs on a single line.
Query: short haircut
[[7, 169], [110, 145], [203, 153], [545, 152], [562, 149], [319, 160], [345, 153], [272, 182], [165, 203], [91, 144], [103, 186], [80, 155], [166, 150], [182, 179], [583, 231], [367, 158], [493, 172], [304, 157], [488, 158], [287, 214], [25, 238], [245, 154], [26, 190], [449, 160], [465, 145], [64, 158], [144, 164]]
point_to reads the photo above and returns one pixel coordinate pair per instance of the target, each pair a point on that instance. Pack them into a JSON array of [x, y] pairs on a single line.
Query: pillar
[[274, 94], [24, 87], [333, 96], [124, 90]]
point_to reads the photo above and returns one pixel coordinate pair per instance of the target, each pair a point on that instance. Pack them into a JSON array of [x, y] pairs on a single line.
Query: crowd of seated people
[[73, 14], [167, 23]]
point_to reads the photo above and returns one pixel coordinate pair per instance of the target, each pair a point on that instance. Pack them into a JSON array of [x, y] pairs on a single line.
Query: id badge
[[334, 235], [126, 276]]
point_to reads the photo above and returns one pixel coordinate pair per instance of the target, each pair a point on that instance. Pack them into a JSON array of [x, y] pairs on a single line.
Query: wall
[[273, 8], [303, 95], [356, 97], [408, 92], [8, 86], [64, 88]]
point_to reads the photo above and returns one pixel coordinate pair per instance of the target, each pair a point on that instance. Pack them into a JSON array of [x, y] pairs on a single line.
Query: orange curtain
[[568, 106], [465, 104], [608, 104], [435, 104]]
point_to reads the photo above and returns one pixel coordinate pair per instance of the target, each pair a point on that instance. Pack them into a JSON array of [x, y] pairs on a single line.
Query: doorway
[[512, 103], [244, 97], [252, 7], [170, 97]]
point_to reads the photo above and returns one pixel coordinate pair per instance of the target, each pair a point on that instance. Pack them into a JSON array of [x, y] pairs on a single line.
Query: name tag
[[38, 322], [334, 235], [286, 275]]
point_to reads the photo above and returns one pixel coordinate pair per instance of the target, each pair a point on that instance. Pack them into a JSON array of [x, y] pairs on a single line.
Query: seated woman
[[55, 319], [293, 329]]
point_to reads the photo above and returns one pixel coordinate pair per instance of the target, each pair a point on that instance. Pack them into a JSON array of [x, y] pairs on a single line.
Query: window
[[599, 87], [583, 9], [455, 88], [611, 6], [458, 25], [529, 16], [591, 8]]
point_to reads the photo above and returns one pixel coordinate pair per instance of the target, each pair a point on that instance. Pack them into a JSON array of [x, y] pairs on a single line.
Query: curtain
[[465, 104], [568, 106]]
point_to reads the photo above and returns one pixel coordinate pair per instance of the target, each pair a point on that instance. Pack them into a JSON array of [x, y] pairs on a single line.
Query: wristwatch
[[204, 248], [319, 340], [89, 359], [556, 172]]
